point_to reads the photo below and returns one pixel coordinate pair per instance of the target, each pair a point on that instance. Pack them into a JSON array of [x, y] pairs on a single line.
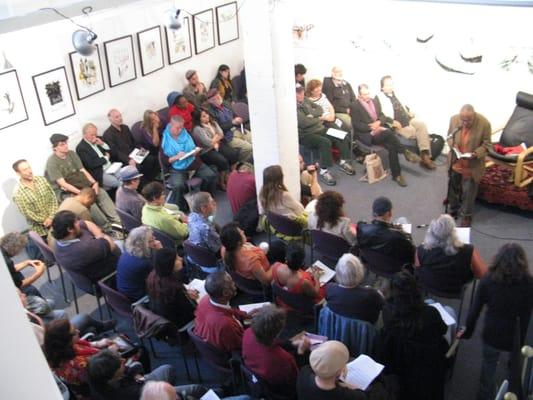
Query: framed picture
[[87, 74], [120, 60], [204, 31], [53, 93], [179, 42], [12, 107], [150, 50], [227, 23]]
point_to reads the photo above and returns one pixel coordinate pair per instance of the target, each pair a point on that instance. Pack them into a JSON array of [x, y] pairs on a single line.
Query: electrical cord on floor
[[501, 238]]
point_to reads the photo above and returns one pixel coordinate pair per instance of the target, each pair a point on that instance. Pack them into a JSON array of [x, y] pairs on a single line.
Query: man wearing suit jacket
[[469, 133], [368, 124], [94, 155]]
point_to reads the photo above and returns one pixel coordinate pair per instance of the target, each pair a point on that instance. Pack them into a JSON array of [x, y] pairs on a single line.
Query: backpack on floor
[[436, 143]]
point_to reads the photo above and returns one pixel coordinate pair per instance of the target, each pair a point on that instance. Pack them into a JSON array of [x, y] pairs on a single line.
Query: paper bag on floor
[[374, 169]]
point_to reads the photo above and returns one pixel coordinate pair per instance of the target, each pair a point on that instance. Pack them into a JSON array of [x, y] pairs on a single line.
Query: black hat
[[56, 138], [381, 205]]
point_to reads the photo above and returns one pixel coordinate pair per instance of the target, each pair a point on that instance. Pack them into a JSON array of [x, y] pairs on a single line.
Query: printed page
[[325, 273], [253, 306], [362, 371], [199, 286]]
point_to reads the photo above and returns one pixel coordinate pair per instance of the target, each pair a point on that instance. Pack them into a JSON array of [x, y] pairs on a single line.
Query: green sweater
[[308, 114], [158, 218]]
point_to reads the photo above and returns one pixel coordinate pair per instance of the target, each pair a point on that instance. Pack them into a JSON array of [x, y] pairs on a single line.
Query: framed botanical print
[[227, 23], [12, 106], [87, 74], [53, 93], [150, 50], [204, 31], [179, 42], [120, 60]]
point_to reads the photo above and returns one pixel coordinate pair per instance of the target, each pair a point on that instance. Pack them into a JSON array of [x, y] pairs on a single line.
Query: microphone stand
[[452, 155]]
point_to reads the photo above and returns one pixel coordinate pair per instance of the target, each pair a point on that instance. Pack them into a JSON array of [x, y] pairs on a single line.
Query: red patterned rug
[[496, 188]]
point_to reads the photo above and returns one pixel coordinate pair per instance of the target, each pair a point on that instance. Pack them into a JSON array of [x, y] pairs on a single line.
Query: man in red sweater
[[216, 322], [241, 186]]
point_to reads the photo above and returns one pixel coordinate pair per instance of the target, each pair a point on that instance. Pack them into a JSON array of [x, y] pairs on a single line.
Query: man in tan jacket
[[468, 138]]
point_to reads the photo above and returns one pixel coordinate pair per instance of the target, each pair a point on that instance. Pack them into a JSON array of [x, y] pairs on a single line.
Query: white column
[[269, 63]]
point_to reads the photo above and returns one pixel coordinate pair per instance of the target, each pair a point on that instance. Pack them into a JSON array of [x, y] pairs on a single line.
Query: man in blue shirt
[[202, 230], [183, 158]]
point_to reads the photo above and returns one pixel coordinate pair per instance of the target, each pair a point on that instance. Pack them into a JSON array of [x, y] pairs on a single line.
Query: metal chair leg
[[63, 283], [75, 299], [197, 366], [152, 347], [48, 274], [100, 313], [473, 292]]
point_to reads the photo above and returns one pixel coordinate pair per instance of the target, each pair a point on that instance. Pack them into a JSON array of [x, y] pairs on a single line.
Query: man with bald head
[[469, 133], [340, 94]]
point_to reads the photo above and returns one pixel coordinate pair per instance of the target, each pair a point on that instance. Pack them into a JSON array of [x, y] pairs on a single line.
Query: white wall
[[45, 47], [386, 32]]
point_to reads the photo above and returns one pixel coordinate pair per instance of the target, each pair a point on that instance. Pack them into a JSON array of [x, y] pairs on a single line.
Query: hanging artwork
[[87, 74], [204, 31], [227, 23], [53, 93], [179, 42], [150, 50], [12, 107], [120, 60]]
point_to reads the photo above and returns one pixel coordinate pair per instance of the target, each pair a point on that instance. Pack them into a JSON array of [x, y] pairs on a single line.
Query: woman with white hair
[[135, 262], [445, 262], [347, 297]]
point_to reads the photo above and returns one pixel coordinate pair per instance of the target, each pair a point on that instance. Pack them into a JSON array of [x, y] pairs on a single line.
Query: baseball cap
[[381, 205], [328, 358]]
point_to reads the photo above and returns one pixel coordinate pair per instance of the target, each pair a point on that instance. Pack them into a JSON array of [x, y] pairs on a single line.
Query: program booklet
[[139, 155], [325, 274], [362, 371]]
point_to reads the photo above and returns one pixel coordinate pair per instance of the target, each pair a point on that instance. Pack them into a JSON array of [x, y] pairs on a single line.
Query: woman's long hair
[[162, 283], [406, 304], [197, 116], [329, 208], [232, 241], [509, 265], [442, 234], [273, 187], [57, 344]]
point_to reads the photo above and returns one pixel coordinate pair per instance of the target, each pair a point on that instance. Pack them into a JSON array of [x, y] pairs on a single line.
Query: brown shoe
[[400, 181], [411, 157], [466, 222], [425, 161]]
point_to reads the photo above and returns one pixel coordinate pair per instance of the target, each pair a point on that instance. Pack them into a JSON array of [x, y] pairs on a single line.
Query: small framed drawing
[[204, 31], [179, 42], [120, 60], [12, 106], [53, 93], [87, 74], [150, 50], [227, 23]]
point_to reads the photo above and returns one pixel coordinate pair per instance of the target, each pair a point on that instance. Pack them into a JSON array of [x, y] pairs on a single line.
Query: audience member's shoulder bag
[[374, 169]]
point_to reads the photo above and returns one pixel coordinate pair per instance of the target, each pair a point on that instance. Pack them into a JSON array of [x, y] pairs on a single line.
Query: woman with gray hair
[[135, 262], [445, 263], [347, 297]]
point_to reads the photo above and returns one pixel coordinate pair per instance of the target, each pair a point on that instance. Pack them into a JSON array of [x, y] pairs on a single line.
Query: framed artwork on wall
[[227, 23], [150, 50], [204, 31], [179, 42], [53, 93], [87, 74], [12, 106], [120, 60]]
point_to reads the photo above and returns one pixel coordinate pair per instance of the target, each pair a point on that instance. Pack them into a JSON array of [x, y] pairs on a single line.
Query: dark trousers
[[178, 181], [213, 157], [462, 192], [322, 144], [389, 140]]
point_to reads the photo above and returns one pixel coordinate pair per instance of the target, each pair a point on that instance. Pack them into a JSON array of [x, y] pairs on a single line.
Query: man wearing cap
[[195, 91], [383, 237], [67, 176], [94, 155], [127, 198], [320, 379], [179, 105], [231, 124]]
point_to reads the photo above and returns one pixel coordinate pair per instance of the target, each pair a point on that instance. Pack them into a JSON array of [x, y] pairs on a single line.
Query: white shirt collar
[[226, 306]]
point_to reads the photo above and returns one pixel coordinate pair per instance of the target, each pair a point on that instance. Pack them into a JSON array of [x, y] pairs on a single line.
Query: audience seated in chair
[[320, 379], [369, 126], [328, 216], [446, 263], [176, 143], [412, 344], [347, 297], [216, 322], [313, 91], [94, 155], [120, 140], [82, 247], [12, 244], [195, 91], [507, 292], [294, 278], [243, 257], [67, 176], [179, 105], [340, 94], [155, 214], [382, 236], [241, 187], [202, 230], [222, 83], [215, 150], [127, 198], [151, 131], [312, 133], [235, 135], [299, 74], [34, 198], [135, 262], [403, 121]]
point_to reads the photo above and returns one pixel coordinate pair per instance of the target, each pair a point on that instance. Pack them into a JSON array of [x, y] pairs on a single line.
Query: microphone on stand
[[452, 134]]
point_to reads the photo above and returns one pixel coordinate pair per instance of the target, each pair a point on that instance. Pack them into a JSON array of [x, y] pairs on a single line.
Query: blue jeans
[[489, 365], [178, 179]]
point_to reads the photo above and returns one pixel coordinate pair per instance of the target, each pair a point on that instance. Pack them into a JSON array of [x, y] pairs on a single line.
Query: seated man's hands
[[374, 125], [237, 121], [95, 187], [132, 162], [396, 125]]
